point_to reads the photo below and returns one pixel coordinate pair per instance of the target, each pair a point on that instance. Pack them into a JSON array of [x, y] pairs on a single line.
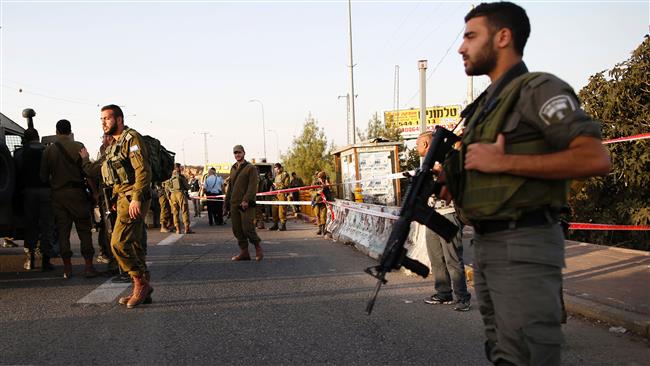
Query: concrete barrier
[[368, 226]]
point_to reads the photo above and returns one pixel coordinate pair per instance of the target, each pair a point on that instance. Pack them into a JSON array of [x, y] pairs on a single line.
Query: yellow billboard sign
[[221, 168], [408, 120]]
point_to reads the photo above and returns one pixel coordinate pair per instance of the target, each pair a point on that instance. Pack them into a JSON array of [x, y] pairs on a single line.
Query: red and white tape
[[642, 136], [584, 226]]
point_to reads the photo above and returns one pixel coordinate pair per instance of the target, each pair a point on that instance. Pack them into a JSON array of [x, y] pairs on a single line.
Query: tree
[[378, 129], [310, 152], [620, 99]]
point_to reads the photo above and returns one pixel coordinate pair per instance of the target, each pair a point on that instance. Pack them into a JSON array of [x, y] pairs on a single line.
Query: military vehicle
[[11, 135]]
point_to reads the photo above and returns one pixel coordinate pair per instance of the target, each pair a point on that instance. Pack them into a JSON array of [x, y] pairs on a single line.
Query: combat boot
[[188, 230], [148, 300], [67, 268], [141, 290], [45, 264], [274, 227], [242, 256], [283, 227], [259, 254], [29, 259], [89, 270]]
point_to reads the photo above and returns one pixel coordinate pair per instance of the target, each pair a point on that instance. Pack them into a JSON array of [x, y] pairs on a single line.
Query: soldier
[[296, 182], [166, 221], [127, 170], [320, 207], [37, 194], [178, 187], [61, 165], [525, 138], [446, 258], [240, 202], [281, 181]]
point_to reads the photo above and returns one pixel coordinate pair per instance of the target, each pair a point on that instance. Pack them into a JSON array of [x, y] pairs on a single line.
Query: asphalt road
[[303, 304]]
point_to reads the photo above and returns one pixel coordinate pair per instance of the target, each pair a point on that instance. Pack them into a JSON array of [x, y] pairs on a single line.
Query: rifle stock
[[414, 209]]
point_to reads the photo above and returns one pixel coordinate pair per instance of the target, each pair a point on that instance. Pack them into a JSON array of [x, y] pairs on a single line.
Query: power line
[[21, 90], [439, 62]]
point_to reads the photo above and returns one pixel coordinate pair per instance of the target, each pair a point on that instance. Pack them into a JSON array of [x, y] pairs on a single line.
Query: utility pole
[[263, 124], [422, 66], [205, 146], [352, 131], [396, 96]]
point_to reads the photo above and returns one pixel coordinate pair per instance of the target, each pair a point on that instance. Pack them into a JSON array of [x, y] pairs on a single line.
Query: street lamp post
[[277, 143], [263, 124], [183, 149]]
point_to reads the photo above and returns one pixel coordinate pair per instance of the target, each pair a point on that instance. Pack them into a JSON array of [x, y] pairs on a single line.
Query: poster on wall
[[377, 164], [348, 175]]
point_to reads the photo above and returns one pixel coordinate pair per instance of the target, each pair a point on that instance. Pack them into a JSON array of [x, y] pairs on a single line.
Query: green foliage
[[620, 99], [412, 159], [309, 152], [378, 129]]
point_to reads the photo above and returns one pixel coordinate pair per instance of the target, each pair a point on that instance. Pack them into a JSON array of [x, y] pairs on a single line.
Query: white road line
[[173, 238], [105, 293], [108, 291]]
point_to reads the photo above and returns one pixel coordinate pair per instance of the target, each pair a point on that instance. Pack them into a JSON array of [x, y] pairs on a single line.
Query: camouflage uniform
[[178, 187]]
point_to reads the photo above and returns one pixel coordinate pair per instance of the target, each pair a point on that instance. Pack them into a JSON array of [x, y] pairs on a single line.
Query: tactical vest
[[175, 183], [117, 168], [483, 196]]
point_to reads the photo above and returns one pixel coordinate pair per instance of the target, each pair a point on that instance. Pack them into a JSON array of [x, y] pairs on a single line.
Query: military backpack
[[161, 160]]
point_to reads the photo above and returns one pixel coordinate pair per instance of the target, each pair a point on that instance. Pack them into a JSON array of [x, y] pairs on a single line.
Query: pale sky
[[183, 68]]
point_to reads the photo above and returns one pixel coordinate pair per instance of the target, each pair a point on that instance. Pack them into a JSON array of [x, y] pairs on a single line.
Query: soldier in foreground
[[240, 202], [524, 138], [127, 170]]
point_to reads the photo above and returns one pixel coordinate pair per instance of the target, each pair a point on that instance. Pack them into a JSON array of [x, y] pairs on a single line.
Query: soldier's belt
[[533, 218]]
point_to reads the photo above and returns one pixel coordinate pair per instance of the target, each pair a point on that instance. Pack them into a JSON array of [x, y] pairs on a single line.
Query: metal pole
[[422, 66], [277, 143], [205, 145], [470, 89], [351, 128], [263, 124]]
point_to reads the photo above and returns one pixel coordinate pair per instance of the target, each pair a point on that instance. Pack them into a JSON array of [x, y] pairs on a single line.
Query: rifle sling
[[427, 216]]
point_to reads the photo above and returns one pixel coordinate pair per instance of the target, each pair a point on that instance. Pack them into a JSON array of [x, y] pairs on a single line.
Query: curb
[[633, 322]]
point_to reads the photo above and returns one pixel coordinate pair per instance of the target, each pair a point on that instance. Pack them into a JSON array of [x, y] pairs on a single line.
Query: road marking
[[105, 293], [173, 238]]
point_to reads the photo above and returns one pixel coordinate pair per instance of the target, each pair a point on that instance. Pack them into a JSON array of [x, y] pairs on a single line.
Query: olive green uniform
[[178, 186], [281, 181], [165, 207], [70, 202], [320, 208], [518, 242], [127, 169], [243, 187]]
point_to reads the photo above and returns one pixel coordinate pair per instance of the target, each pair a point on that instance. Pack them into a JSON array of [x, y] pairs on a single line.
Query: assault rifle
[[107, 210], [415, 208]]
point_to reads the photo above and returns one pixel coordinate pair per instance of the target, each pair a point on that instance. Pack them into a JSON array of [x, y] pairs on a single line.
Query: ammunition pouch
[[117, 168]]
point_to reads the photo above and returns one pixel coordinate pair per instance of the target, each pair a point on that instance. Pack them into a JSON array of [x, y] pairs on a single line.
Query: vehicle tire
[[7, 175]]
